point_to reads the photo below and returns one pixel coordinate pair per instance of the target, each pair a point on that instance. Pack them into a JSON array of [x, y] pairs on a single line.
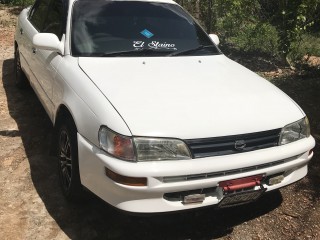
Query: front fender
[[88, 106]]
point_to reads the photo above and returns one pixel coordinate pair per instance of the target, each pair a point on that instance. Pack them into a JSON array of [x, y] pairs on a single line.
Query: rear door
[[30, 26]]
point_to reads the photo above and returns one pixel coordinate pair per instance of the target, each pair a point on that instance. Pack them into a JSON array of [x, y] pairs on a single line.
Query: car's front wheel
[[68, 165]]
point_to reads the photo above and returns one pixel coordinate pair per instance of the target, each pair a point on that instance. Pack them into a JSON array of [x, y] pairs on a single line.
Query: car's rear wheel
[[67, 153], [20, 78]]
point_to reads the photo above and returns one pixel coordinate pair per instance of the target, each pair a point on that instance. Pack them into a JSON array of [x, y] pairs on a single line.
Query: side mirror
[[215, 39], [48, 41]]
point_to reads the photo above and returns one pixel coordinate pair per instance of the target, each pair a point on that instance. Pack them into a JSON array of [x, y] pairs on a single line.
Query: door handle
[[34, 50], [21, 31]]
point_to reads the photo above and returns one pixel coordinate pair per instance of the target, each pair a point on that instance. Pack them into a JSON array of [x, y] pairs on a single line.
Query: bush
[[260, 37], [308, 45], [273, 27]]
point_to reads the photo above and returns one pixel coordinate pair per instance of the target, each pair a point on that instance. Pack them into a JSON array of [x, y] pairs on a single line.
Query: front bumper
[[167, 177]]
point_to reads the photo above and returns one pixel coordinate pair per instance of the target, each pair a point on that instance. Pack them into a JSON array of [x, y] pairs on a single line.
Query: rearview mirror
[[215, 39], [48, 41]]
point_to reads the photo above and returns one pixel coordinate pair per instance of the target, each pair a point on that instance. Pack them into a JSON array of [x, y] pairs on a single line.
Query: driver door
[[46, 16]]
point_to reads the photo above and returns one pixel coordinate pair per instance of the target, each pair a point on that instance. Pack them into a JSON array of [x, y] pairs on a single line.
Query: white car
[[149, 115]]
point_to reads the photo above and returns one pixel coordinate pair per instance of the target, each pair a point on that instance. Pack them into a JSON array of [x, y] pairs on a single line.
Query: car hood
[[190, 97]]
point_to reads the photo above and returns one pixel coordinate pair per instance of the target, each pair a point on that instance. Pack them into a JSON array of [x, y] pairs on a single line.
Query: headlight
[[117, 145], [295, 131], [157, 149], [146, 149]]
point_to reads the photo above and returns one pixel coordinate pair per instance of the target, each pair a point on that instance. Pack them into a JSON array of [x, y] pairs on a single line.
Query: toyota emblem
[[240, 145]]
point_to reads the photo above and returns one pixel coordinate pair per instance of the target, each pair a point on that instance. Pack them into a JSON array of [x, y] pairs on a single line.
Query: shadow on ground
[[95, 219]]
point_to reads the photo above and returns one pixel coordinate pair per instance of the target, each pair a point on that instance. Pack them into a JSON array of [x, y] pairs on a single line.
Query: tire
[[68, 164], [20, 78]]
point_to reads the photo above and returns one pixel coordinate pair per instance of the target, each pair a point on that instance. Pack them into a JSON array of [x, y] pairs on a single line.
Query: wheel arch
[[62, 113]]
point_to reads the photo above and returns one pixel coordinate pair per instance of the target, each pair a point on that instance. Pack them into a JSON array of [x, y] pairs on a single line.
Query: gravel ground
[[32, 206]]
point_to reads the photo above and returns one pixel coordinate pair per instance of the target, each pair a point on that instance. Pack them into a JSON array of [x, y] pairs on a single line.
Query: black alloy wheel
[[68, 165], [65, 160]]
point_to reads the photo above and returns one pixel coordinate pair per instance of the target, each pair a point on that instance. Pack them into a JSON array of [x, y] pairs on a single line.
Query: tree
[[277, 25]]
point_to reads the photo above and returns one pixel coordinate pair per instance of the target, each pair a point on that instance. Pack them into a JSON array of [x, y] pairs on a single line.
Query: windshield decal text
[[158, 45], [138, 44], [155, 45]]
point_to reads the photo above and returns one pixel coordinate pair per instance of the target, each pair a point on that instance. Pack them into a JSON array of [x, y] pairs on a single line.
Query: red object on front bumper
[[241, 183]]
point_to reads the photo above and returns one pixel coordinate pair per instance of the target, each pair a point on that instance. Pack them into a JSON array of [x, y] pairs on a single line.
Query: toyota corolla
[[149, 114]]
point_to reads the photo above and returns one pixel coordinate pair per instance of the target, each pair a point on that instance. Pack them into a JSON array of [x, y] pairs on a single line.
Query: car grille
[[226, 173], [208, 147]]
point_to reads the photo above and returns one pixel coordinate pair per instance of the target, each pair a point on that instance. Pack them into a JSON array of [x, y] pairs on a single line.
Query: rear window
[[105, 28]]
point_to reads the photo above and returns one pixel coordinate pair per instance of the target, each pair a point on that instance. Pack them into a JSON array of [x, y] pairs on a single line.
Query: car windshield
[[135, 28]]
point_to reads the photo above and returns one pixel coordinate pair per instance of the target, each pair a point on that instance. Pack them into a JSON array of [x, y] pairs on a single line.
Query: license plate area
[[239, 198], [241, 191]]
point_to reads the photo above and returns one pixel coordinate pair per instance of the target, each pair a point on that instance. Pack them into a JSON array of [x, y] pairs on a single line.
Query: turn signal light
[[129, 181]]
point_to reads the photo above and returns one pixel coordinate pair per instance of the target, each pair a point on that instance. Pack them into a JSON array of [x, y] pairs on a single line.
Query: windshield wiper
[[143, 52], [186, 52]]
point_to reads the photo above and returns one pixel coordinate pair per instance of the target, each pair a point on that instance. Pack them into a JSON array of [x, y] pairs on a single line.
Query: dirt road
[[32, 206]]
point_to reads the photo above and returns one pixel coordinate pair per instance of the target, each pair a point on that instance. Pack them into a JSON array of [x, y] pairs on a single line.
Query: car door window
[[54, 22], [39, 13]]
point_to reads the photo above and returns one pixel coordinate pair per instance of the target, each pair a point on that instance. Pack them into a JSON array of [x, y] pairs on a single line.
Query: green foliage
[[17, 2], [261, 37], [296, 18], [234, 15], [274, 27], [307, 45]]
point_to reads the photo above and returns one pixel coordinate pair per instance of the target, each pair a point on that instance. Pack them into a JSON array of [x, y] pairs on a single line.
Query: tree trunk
[[197, 10]]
